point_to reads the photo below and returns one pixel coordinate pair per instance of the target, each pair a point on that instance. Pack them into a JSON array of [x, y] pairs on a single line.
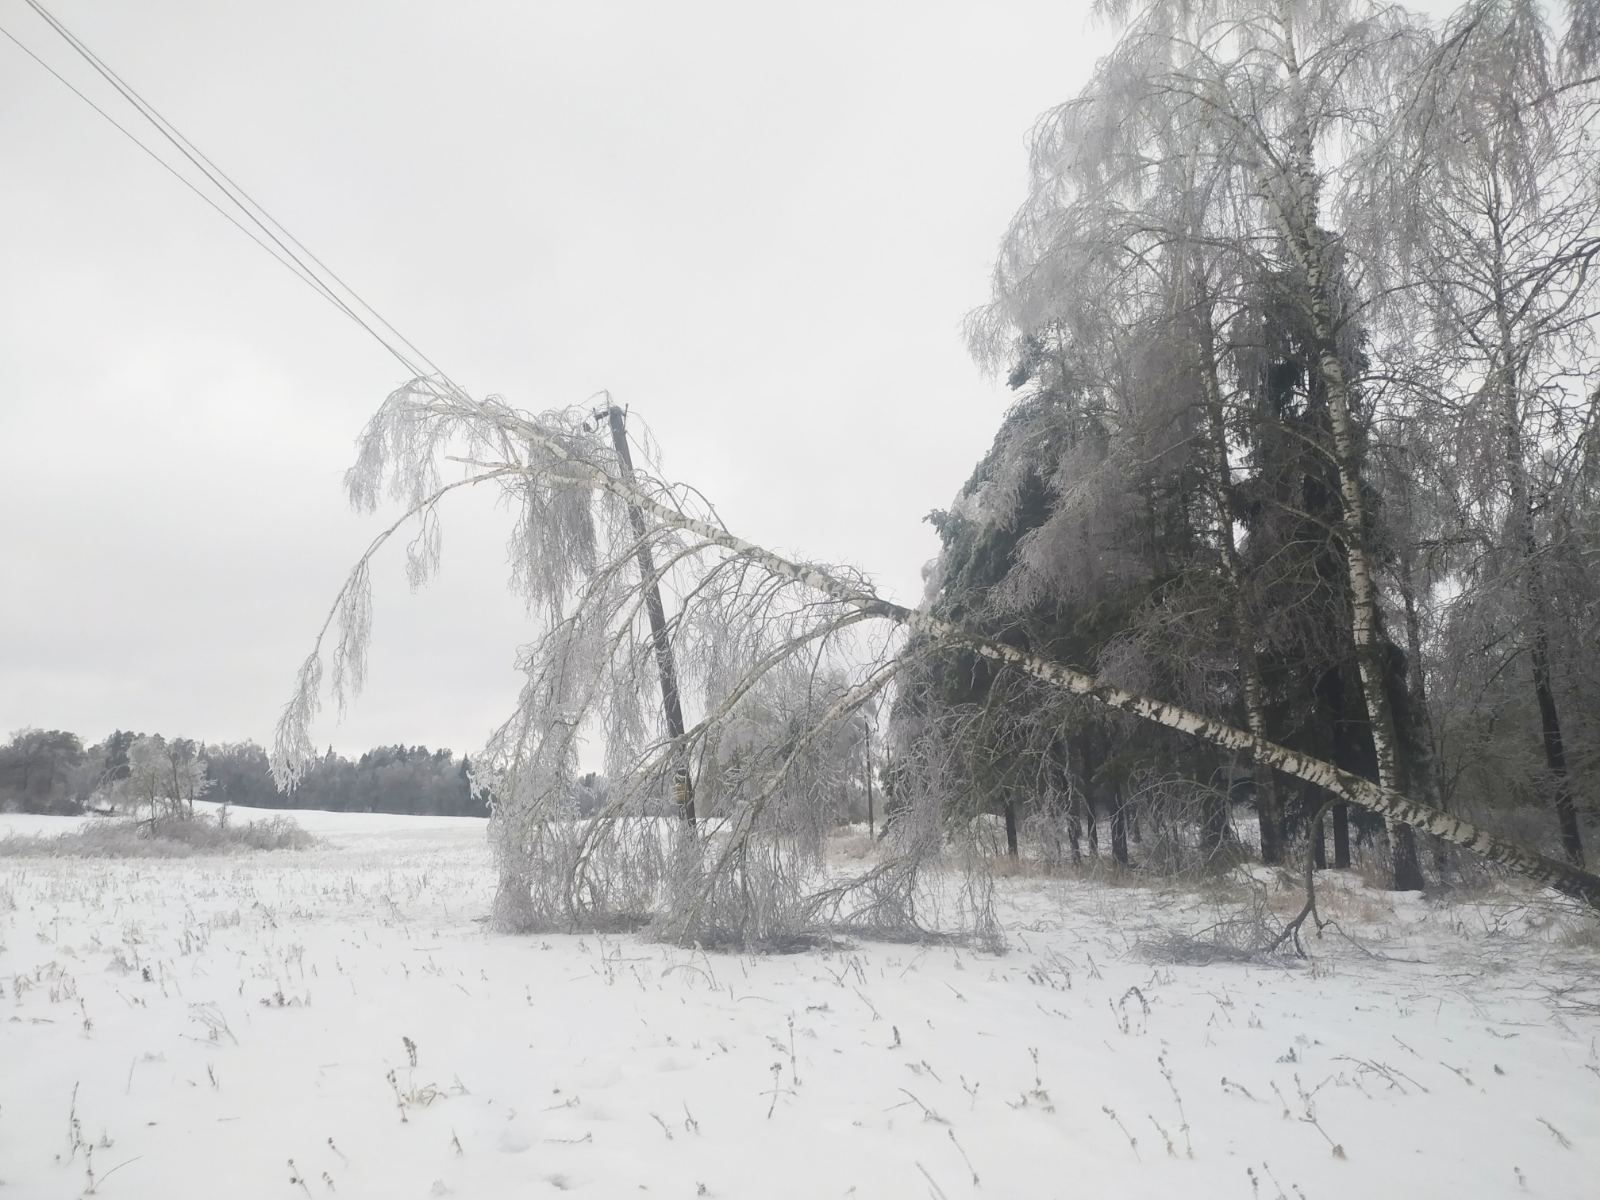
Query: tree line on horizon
[[53, 771]]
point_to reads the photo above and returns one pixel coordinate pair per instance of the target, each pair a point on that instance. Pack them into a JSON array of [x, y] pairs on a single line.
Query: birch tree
[[1483, 196], [1262, 90], [755, 878]]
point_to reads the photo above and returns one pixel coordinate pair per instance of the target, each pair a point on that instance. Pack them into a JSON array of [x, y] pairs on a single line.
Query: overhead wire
[[223, 181], [289, 248], [163, 163], [163, 127]]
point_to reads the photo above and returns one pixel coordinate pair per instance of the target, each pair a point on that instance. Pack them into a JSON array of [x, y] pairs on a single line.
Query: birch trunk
[[1417, 681], [1363, 591], [1426, 775], [1295, 203]]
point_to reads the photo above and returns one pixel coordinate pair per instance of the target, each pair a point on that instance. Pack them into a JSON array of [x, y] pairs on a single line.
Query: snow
[[217, 1017], [37, 824]]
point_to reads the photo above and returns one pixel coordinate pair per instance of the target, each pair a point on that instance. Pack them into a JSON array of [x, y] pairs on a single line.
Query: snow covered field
[[340, 1022]]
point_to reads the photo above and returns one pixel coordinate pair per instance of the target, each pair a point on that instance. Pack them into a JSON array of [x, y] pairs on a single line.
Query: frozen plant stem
[[1133, 1142], [777, 1071], [1166, 1073], [927, 1113], [1172, 1151], [1230, 1085], [1561, 1138], [939, 1192], [125, 1162], [962, 1150], [972, 1090], [74, 1126], [1335, 1147], [1282, 1100]]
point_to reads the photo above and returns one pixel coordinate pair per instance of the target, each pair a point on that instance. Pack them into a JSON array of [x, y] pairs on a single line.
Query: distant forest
[[52, 771]]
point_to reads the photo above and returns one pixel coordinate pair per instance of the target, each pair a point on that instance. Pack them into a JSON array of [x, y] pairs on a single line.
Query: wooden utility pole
[[870, 832], [666, 664]]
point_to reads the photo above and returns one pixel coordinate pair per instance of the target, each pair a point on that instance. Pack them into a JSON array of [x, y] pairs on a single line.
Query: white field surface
[[217, 1017]]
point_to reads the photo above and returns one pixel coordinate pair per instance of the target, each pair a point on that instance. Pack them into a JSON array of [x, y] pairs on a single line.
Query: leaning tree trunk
[[1379, 798]]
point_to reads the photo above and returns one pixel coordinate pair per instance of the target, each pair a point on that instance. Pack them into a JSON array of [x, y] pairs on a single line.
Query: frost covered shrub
[[275, 833], [116, 838]]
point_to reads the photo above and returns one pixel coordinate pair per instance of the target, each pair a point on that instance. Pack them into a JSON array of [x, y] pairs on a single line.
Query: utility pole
[[666, 664], [870, 832]]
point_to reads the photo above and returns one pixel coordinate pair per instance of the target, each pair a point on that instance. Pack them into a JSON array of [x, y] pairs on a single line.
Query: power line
[[247, 205], [163, 163], [224, 182], [167, 131]]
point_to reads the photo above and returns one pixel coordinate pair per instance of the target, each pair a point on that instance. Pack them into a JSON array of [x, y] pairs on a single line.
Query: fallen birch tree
[[773, 659]]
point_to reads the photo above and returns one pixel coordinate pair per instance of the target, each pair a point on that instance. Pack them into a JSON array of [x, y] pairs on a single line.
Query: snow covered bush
[[112, 837]]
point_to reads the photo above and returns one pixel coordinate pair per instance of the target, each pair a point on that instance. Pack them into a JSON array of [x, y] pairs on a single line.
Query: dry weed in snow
[[339, 1022]]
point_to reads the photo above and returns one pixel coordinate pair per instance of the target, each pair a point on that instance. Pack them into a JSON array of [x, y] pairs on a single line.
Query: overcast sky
[[759, 225]]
